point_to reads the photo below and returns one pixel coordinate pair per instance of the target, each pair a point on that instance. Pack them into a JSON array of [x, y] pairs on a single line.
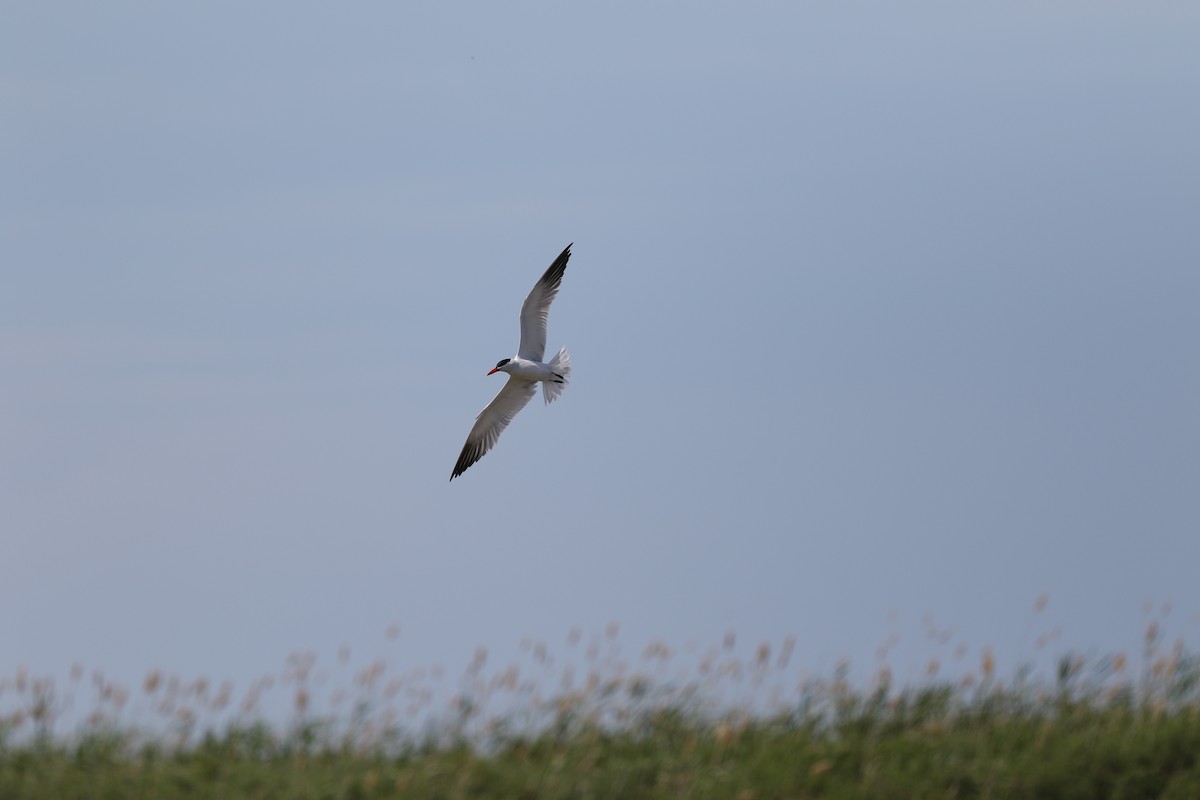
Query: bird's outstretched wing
[[537, 307], [492, 421]]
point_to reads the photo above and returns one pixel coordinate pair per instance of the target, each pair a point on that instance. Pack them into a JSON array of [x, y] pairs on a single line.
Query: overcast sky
[[877, 311]]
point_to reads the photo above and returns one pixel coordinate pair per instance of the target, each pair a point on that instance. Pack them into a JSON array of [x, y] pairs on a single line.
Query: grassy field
[[1089, 729]]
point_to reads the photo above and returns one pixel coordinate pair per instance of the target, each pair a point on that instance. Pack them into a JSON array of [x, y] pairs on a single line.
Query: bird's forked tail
[[560, 365]]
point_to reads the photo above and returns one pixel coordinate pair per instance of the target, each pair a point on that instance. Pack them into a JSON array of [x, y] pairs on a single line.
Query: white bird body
[[528, 370], [525, 370]]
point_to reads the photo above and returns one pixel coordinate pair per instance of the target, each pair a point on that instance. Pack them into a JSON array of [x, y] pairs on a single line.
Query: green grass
[[926, 743], [1089, 729]]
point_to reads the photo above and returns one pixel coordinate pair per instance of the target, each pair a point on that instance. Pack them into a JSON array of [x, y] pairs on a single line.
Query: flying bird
[[524, 370]]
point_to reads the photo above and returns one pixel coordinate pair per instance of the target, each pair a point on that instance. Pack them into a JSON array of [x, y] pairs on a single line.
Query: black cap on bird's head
[[499, 364]]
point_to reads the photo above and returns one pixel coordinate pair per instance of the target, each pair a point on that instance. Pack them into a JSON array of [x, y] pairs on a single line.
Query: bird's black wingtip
[[554, 272]]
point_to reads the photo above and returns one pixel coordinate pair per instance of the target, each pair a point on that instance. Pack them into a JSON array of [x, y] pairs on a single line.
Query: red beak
[[494, 369]]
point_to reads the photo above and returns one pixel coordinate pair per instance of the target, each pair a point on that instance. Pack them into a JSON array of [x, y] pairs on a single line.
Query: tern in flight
[[524, 370]]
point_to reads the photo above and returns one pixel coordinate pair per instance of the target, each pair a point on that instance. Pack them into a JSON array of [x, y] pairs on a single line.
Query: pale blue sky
[[877, 311]]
